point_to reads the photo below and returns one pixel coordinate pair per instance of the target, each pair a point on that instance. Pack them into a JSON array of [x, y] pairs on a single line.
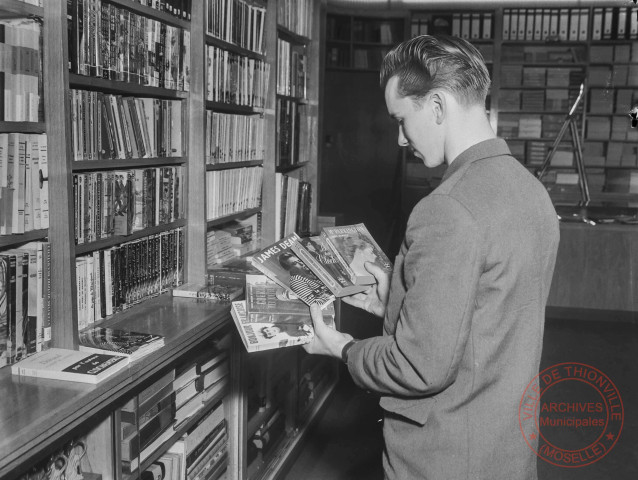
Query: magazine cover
[[280, 263], [355, 246], [120, 342], [318, 256], [213, 293]]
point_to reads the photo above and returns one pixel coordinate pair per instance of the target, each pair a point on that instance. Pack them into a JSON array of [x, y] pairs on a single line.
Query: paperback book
[[354, 245], [279, 262], [271, 318], [318, 256], [218, 293], [70, 365], [118, 341]]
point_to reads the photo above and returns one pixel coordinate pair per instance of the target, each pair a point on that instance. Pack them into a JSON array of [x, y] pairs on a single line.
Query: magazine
[[213, 293], [119, 342], [318, 256], [280, 263], [271, 317], [354, 245]]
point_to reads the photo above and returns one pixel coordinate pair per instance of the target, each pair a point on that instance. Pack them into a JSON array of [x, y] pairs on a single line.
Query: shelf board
[[232, 108], [89, 165], [231, 47], [16, 9], [117, 239], [22, 127], [124, 88], [7, 241], [43, 409], [231, 165], [289, 168], [291, 36], [152, 13], [299, 100], [233, 216]]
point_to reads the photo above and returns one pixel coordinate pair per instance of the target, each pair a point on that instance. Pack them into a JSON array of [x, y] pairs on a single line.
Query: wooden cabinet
[[42, 416]]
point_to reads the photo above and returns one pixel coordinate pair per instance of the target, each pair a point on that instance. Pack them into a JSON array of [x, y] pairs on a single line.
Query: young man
[[464, 309]]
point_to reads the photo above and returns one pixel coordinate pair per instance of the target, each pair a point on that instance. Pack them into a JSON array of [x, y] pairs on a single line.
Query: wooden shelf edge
[[233, 108], [152, 13], [227, 218], [124, 88], [291, 36], [231, 165], [16, 9], [20, 238], [117, 239], [231, 47], [89, 165], [22, 127], [289, 168]]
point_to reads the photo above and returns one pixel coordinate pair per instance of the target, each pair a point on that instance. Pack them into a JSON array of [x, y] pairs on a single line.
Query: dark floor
[[346, 443]]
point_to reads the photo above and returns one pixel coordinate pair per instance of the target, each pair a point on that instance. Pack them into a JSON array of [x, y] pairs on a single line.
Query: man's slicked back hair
[[427, 62]]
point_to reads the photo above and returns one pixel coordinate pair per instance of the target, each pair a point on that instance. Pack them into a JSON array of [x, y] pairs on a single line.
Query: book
[[120, 342], [279, 262], [354, 245], [70, 365], [219, 293], [318, 256]]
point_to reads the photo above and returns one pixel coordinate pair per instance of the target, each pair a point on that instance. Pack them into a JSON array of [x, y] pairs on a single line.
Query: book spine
[[316, 268]]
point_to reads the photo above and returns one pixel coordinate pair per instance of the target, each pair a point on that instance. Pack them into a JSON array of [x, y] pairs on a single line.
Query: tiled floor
[[346, 443]]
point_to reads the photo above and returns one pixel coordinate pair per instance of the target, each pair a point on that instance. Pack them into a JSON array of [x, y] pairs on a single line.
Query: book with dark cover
[[219, 293], [118, 341], [318, 256], [280, 264], [70, 365], [354, 245]]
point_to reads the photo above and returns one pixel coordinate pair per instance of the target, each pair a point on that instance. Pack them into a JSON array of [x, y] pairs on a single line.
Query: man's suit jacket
[[464, 323]]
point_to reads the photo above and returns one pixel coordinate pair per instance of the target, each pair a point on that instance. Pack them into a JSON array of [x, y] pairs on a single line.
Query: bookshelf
[[50, 414]]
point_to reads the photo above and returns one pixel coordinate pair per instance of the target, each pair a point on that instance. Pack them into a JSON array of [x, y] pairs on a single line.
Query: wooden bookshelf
[[48, 413]]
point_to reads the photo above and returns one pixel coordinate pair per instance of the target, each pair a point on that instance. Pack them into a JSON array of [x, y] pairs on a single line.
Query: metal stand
[[570, 123]]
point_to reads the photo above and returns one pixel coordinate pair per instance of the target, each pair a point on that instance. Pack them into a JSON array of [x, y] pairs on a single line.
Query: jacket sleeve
[[440, 276]]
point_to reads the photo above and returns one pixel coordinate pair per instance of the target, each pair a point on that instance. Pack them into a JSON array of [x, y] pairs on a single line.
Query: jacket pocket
[[416, 410]]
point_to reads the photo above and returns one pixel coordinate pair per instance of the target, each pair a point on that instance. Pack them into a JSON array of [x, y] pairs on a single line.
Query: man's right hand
[[375, 298]]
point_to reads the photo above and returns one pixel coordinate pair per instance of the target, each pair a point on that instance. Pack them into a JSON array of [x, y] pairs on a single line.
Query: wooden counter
[[596, 267]]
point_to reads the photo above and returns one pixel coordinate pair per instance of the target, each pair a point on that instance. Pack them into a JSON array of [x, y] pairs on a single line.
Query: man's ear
[[438, 105]]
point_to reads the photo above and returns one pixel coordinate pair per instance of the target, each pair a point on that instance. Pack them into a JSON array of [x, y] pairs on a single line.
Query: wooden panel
[[61, 228], [196, 213], [596, 268]]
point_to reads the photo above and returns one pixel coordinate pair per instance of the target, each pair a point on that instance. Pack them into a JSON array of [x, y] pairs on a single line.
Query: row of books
[[20, 71], [105, 126], [292, 73], [622, 53], [237, 79], [517, 76], [238, 22], [160, 410], [542, 24], [178, 8], [552, 99], [111, 42], [606, 128], [234, 138], [512, 125], [232, 191], [233, 239], [288, 130], [296, 16], [24, 186], [610, 154], [25, 301], [551, 53], [293, 201], [618, 76], [125, 201], [113, 279]]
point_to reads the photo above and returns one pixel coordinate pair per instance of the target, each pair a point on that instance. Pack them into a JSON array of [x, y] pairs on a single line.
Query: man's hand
[[327, 341], [375, 298]]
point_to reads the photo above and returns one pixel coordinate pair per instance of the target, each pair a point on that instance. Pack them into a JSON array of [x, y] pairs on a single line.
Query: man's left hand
[[327, 341]]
